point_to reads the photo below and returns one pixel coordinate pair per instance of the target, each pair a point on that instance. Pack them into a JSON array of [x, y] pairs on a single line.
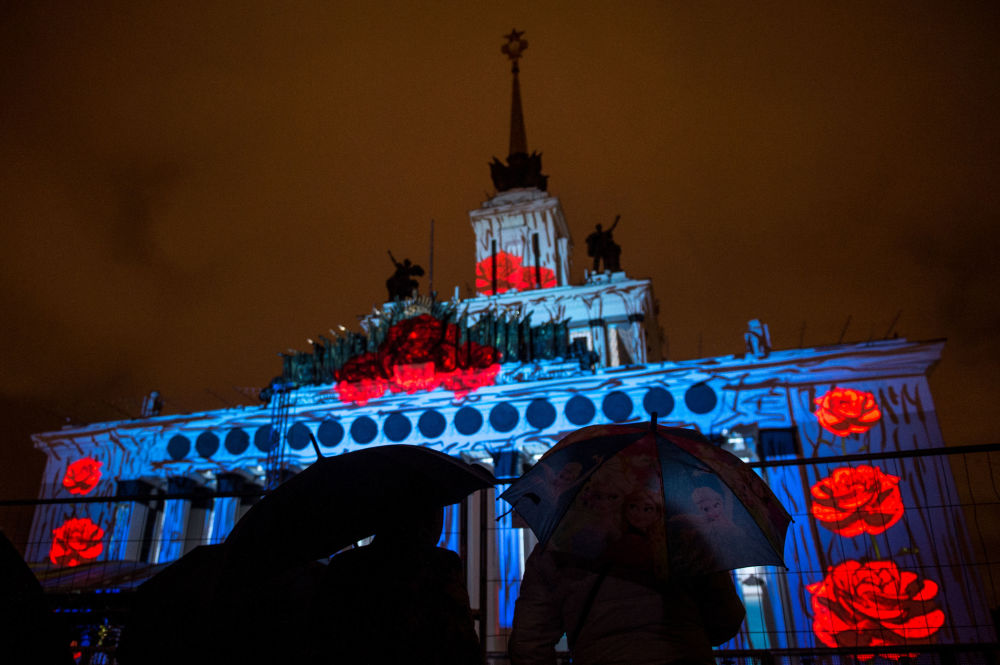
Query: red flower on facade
[[844, 411], [82, 475], [511, 274], [874, 604], [856, 500], [76, 541], [419, 353]]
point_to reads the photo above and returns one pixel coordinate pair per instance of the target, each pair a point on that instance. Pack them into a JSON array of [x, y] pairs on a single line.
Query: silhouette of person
[[615, 619], [602, 247], [401, 284], [400, 599]]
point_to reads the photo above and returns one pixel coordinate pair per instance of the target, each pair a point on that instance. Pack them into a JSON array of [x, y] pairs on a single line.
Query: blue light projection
[[713, 395], [510, 554]]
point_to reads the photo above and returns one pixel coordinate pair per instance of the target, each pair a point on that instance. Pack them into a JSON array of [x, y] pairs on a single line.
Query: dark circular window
[[468, 420], [504, 417], [397, 427], [237, 441], [262, 439], [579, 410], [364, 430], [207, 444], [178, 447], [617, 406], [540, 413], [431, 424], [330, 433], [298, 436], [699, 398], [658, 400]]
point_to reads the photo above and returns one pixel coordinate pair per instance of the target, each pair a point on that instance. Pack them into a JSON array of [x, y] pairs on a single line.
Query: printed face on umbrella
[[642, 511], [650, 504], [709, 502]]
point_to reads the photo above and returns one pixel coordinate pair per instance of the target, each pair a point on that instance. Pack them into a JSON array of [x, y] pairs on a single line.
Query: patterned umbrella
[[641, 500]]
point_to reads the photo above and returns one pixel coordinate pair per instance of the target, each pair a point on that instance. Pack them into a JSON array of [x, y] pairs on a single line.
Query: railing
[[960, 554]]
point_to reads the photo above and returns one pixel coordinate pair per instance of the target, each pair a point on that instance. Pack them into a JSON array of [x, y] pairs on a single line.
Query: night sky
[[186, 191]]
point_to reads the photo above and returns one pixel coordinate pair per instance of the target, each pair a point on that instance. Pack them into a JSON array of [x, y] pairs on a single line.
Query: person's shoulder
[[353, 559], [444, 557]]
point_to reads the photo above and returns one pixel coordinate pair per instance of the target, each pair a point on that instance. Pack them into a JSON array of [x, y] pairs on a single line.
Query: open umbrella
[[173, 613], [339, 500], [650, 501]]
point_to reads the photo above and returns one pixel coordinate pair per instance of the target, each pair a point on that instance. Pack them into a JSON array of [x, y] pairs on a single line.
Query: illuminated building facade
[[502, 376]]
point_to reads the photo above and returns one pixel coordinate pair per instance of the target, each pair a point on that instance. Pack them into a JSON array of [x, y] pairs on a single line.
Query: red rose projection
[[511, 275], [420, 353], [82, 475], [874, 604], [844, 411], [852, 501], [76, 541]]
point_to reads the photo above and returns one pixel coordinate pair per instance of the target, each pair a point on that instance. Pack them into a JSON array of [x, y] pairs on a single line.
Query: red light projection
[[420, 353], [874, 604], [511, 275], [82, 475], [76, 541], [844, 411], [856, 500]]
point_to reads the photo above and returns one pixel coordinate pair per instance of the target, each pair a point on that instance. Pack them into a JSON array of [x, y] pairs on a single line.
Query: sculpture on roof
[[601, 246], [401, 284]]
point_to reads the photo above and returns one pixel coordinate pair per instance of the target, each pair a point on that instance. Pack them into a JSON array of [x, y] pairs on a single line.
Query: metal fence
[[91, 597]]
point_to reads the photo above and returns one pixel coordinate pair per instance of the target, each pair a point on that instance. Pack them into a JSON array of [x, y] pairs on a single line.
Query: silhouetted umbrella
[[647, 501], [174, 613], [186, 614], [339, 500]]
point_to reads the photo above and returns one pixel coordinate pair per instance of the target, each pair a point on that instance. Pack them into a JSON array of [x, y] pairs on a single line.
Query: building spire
[[522, 169], [518, 137]]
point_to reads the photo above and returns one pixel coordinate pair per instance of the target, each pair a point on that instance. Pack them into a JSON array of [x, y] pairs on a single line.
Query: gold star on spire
[[514, 47]]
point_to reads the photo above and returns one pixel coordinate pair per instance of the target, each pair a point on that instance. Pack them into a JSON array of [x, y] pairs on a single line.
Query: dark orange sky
[[186, 191]]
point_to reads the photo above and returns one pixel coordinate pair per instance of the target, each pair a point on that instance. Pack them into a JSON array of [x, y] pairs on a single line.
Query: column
[[228, 510], [176, 513], [130, 520]]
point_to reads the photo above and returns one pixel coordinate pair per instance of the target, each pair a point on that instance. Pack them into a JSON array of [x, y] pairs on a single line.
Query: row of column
[[156, 530]]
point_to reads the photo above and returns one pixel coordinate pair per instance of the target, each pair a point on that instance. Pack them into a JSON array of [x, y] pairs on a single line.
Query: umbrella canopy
[[184, 614], [650, 501], [339, 500], [174, 612]]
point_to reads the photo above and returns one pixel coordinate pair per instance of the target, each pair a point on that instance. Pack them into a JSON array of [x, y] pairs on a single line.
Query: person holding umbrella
[[657, 589], [609, 619], [399, 599]]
